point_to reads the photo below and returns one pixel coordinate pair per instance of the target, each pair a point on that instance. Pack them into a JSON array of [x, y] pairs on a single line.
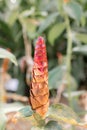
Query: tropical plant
[[63, 23], [41, 116]]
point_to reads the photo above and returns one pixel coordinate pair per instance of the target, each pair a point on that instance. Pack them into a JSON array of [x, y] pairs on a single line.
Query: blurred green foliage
[[49, 19]]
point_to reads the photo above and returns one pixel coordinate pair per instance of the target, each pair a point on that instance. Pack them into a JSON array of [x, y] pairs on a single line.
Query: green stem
[[68, 58]]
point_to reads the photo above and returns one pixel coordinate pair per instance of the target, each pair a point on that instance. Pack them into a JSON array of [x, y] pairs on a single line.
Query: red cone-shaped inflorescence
[[39, 92]]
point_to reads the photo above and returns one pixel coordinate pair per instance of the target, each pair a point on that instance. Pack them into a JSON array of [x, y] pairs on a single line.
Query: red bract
[[39, 92]]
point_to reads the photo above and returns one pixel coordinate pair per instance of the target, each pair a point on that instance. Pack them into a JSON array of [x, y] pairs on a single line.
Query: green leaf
[[26, 111], [31, 30], [47, 22], [5, 54], [63, 113], [29, 114], [27, 13], [53, 125], [39, 120], [55, 32], [55, 76], [81, 37], [13, 17], [82, 49], [74, 10]]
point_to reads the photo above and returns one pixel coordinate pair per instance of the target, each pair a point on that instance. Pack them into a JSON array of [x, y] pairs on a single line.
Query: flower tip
[[40, 39]]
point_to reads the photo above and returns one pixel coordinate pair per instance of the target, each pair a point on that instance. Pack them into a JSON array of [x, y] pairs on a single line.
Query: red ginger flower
[[39, 92]]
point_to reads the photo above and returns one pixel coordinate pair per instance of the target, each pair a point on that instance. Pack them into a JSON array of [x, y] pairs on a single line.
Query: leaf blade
[[48, 21], [74, 10], [81, 37], [56, 31], [53, 125], [82, 49], [61, 112], [5, 54]]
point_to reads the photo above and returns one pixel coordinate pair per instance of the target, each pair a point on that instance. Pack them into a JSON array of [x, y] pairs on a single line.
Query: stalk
[[68, 57]]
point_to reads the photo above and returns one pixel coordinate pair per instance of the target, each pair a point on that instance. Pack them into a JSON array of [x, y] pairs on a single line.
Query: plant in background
[[39, 114], [58, 19], [19, 21]]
